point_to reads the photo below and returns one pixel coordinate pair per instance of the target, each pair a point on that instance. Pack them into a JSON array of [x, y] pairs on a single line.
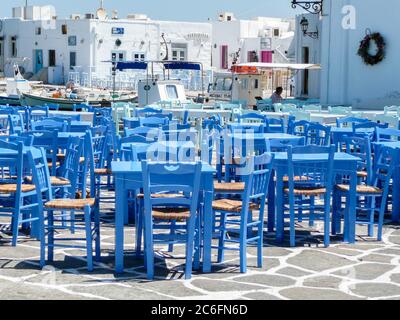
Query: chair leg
[[97, 233], [89, 240], [148, 243], [327, 226], [222, 238], [292, 221], [381, 219], [50, 240], [371, 204], [312, 215], [243, 248], [189, 248], [172, 233], [15, 222], [197, 248], [139, 229]]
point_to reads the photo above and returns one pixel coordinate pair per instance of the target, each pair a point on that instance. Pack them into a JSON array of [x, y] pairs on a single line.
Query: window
[[276, 33], [139, 56], [72, 40], [14, 52], [38, 31], [64, 29], [252, 56], [172, 93], [72, 60], [52, 58], [179, 51]]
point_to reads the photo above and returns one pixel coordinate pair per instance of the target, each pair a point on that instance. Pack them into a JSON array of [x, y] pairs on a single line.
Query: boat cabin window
[[172, 92], [245, 84], [64, 29], [228, 84], [255, 84], [38, 31], [219, 84]]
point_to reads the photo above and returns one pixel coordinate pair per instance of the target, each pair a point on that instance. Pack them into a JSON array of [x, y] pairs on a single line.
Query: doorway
[[306, 59], [52, 58], [38, 58]]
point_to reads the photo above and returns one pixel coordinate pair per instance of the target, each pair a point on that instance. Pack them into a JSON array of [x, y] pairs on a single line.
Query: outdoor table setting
[[128, 176]]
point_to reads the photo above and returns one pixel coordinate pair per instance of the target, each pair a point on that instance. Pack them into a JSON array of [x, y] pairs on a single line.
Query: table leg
[[121, 209], [271, 203], [396, 196], [280, 228], [207, 241]]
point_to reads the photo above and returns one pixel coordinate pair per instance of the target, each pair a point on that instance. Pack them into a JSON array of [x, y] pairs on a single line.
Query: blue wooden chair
[[150, 133], [53, 106], [59, 208], [235, 216], [18, 200], [50, 125], [298, 128], [282, 145], [368, 194], [153, 122], [275, 125], [171, 196], [361, 148], [131, 123], [306, 181], [387, 134], [16, 123], [251, 118], [47, 140], [317, 134], [348, 121], [38, 113], [368, 129]]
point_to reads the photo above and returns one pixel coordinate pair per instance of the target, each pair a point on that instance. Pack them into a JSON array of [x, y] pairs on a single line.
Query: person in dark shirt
[[277, 95]]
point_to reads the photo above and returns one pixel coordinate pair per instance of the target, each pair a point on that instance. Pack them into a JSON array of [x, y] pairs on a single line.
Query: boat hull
[[66, 104], [10, 101]]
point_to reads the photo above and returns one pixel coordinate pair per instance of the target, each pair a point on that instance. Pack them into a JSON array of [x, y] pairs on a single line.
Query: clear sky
[[185, 10]]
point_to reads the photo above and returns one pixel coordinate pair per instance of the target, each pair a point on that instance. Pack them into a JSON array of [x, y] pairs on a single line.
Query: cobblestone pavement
[[365, 270]]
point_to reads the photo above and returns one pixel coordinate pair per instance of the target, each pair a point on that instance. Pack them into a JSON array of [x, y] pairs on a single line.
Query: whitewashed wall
[[345, 79]]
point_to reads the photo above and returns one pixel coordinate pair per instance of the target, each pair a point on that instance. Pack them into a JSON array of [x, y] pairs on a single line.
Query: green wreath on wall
[[365, 45]]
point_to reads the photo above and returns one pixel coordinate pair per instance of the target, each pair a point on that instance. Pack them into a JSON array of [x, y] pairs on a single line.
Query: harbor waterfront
[[232, 158]]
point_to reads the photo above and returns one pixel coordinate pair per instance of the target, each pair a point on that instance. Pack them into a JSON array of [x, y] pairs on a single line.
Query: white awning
[[292, 66]]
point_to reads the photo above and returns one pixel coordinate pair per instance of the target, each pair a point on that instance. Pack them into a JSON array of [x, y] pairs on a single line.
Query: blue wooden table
[[344, 164], [128, 176], [396, 177]]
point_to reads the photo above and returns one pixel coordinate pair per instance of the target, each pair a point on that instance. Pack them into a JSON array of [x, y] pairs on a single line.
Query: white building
[[262, 39], [36, 39], [345, 78]]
